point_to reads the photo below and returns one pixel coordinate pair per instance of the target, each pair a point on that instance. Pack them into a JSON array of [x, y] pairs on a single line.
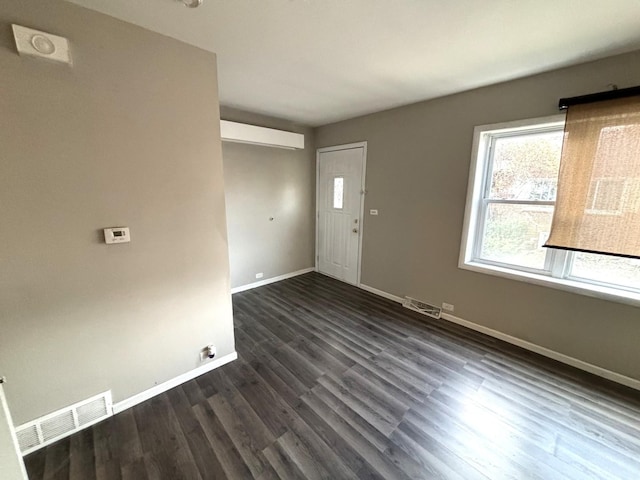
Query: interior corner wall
[[264, 183], [417, 173], [128, 136]]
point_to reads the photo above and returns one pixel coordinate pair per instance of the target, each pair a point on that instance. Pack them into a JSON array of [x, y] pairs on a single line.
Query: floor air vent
[[60, 424], [422, 307]]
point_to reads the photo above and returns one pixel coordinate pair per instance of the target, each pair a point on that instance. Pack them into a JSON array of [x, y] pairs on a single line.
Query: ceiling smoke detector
[[192, 3]]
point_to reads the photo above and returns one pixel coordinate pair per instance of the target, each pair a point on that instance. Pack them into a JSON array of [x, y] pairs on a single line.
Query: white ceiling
[[319, 61]]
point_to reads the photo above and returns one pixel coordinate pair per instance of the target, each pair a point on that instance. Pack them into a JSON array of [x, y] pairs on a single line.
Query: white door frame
[[346, 146], [11, 462]]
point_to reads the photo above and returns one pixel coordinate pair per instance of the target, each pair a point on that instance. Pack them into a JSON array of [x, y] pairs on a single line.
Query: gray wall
[[417, 172], [262, 183], [128, 136]]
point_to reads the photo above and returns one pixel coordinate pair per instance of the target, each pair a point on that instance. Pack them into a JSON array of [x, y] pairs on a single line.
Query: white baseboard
[[267, 281], [546, 352], [174, 382], [381, 293]]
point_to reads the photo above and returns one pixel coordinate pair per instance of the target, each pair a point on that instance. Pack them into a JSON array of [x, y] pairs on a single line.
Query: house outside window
[[510, 202]]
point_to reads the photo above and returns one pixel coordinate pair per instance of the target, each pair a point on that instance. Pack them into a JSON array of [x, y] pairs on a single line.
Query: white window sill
[[581, 288]]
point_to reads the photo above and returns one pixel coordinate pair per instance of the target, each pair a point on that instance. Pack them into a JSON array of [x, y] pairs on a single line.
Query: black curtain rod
[[565, 103]]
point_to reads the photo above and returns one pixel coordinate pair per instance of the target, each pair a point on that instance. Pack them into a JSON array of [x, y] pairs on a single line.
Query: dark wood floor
[[333, 382]]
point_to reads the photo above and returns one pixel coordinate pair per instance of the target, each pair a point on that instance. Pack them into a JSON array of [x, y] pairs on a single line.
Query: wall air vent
[[422, 307], [45, 430]]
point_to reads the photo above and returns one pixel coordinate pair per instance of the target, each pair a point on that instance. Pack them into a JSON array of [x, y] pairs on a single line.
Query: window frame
[[557, 268]]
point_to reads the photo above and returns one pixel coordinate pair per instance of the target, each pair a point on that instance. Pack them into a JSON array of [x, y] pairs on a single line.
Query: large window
[[512, 192]]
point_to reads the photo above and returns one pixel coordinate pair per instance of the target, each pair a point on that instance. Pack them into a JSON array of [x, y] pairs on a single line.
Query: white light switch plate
[[373, 212], [41, 44]]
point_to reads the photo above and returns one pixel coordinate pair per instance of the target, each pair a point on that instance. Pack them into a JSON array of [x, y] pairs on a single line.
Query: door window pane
[[525, 167], [338, 192], [607, 269], [514, 234]]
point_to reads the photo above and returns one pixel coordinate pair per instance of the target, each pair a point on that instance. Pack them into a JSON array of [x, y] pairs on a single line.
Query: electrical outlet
[[203, 355], [447, 306], [259, 275], [208, 352]]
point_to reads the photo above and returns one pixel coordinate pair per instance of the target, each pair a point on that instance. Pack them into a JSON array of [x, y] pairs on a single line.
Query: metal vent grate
[[64, 422], [422, 307], [91, 411], [28, 438], [58, 425]]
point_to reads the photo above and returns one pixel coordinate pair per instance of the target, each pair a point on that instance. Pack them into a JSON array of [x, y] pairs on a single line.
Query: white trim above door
[[354, 193]]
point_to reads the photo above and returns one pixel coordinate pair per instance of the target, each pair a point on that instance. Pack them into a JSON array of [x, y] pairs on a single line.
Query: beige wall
[[417, 173], [128, 136], [262, 183]]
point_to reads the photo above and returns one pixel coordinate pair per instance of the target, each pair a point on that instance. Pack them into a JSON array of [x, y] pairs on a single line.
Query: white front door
[[11, 465], [340, 201]]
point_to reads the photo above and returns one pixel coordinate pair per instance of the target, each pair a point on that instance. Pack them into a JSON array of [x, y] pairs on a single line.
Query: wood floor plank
[[310, 466], [334, 382], [57, 460], [282, 463], [129, 447], [109, 470], [375, 413], [245, 429], [166, 450], [82, 460], [428, 459], [226, 452], [353, 418], [356, 442], [194, 393], [135, 470], [203, 454], [272, 411], [35, 464], [105, 443]]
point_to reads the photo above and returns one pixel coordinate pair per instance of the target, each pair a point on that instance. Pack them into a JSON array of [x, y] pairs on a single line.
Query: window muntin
[[513, 189]]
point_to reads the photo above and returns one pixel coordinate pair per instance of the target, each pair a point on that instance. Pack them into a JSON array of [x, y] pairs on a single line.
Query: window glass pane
[[338, 192], [525, 167], [514, 234], [607, 269]]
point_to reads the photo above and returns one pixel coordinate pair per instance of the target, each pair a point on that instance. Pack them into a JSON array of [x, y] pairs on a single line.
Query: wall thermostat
[[117, 235]]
